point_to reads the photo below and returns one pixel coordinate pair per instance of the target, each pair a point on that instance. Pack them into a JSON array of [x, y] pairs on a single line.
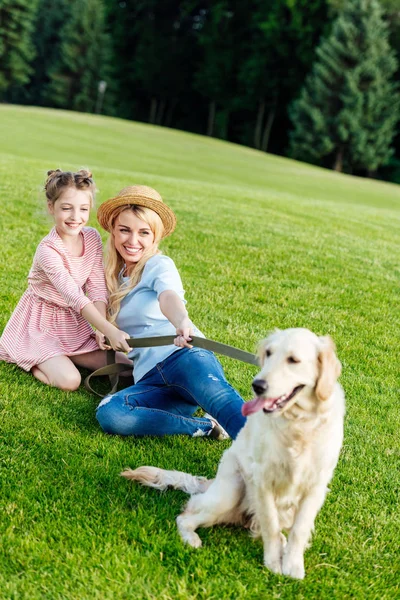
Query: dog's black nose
[[260, 386]]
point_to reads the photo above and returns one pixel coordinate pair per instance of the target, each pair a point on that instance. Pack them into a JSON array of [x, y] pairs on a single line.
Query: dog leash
[[113, 369]]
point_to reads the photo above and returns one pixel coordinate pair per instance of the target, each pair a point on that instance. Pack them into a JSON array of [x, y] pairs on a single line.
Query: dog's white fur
[[275, 475]]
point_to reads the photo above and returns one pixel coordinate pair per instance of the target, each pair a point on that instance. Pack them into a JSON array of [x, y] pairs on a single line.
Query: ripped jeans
[[164, 400]]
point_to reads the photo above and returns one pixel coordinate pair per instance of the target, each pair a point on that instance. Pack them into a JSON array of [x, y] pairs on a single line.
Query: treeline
[[312, 80]]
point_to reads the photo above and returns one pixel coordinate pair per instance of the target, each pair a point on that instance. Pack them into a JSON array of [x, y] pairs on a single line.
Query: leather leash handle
[[112, 371]]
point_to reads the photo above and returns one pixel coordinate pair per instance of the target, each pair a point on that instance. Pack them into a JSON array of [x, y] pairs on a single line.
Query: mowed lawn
[[262, 243]]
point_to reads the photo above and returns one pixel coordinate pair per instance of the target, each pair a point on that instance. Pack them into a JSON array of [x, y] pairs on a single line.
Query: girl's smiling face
[[71, 211], [132, 237]]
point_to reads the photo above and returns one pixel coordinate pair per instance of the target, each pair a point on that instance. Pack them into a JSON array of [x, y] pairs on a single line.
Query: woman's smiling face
[[132, 237]]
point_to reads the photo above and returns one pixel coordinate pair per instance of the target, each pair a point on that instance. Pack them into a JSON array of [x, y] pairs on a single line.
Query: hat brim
[[105, 211]]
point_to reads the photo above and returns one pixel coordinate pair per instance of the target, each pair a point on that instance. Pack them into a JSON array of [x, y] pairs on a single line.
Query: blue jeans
[[164, 400]]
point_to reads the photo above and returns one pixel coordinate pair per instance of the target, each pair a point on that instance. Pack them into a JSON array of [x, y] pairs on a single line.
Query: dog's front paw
[[293, 566], [273, 562], [274, 566]]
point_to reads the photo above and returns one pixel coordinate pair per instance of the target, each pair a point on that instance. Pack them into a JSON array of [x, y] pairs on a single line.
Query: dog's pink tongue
[[253, 406]]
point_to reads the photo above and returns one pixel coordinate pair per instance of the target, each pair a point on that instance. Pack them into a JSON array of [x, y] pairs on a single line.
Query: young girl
[[147, 299], [49, 332]]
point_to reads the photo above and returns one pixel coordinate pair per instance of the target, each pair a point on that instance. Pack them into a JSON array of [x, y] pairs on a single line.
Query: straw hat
[[138, 195]]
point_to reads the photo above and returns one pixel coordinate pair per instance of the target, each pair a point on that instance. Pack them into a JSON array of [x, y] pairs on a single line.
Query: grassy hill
[[261, 242]]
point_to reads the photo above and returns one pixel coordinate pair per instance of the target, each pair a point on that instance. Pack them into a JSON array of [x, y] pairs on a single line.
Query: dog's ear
[[329, 369], [260, 352]]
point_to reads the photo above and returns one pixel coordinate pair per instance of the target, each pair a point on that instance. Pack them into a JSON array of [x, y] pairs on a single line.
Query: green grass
[[261, 242]]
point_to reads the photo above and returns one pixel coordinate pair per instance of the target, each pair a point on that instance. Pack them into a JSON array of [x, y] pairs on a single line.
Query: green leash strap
[[112, 369], [167, 340]]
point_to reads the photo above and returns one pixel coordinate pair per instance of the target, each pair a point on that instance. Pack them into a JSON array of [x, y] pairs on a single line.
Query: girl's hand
[[117, 340], [101, 341], [184, 333]]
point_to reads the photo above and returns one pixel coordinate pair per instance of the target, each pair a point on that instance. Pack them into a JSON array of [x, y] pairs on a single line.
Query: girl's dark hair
[[58, 181]]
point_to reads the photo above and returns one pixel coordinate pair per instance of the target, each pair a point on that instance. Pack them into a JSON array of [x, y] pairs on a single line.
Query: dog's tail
[[161, 479]]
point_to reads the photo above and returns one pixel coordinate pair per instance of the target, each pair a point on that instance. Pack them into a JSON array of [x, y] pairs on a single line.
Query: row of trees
[[313, 80]]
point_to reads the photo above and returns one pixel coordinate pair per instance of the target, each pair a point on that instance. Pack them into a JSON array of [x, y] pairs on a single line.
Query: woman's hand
[[184, 333], [174, 309], [101, 341], [118, 339]]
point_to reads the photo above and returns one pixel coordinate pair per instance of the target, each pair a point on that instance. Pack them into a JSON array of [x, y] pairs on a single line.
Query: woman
[[147, 300]]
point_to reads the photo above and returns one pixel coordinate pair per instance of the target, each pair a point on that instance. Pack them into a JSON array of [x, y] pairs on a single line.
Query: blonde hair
[[114, 262], [58, 181]]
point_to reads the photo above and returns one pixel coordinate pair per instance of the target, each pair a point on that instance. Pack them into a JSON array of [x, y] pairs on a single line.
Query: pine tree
[[84, 58], [349, 105], [220, 32], [50, 19], [161, 67], [270, 73], [16, 48]]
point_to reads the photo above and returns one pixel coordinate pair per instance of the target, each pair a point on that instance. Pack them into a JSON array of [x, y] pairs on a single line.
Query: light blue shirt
[[140, 313]]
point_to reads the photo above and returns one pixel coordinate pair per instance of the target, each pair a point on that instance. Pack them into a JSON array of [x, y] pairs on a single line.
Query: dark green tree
[[154, 47], [220, 36], [16, 47], [84, 58], [162, 57], [271, 72], [50, 19], [349, 106]]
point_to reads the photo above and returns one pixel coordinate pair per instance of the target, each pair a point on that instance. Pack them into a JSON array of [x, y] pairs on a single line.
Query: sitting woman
[[147, 300]]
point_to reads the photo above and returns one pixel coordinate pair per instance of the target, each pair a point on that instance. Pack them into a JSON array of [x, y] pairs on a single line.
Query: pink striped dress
[[47, 321]]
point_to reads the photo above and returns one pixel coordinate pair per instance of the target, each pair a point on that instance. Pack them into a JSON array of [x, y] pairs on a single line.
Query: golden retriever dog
[[274, 477]]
